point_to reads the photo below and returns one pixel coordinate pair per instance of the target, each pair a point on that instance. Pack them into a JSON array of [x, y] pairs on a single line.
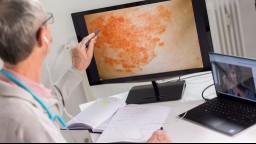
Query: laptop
[[234, 108]]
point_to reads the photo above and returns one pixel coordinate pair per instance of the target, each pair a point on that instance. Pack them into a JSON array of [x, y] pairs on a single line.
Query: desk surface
[[185, 131]]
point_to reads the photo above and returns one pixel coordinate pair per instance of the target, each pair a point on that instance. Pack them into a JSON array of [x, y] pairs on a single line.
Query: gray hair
[[20, 21]]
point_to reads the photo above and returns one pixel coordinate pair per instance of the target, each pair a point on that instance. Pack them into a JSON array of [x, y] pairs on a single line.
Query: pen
[[161, 128], [96, 33]]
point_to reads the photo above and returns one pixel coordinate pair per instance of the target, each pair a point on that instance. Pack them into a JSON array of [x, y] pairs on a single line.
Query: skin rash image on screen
[[155, 38]]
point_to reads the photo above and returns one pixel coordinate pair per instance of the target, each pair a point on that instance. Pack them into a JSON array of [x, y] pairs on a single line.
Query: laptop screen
[[234, 76]]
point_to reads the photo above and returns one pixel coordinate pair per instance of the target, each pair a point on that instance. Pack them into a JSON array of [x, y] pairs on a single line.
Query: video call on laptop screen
[[234, 76]]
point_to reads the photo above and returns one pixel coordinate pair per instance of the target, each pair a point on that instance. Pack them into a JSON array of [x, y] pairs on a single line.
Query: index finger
[[88, 38], [91, 46], [159, 132]]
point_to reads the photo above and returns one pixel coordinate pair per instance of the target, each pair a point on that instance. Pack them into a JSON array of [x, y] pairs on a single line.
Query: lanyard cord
[[51, 116]]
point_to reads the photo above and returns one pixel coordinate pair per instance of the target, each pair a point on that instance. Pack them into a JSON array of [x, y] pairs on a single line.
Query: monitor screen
[[234, 76], [146, 40]]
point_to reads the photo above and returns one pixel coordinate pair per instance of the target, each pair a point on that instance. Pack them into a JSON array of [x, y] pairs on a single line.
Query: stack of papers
[[134, 123]]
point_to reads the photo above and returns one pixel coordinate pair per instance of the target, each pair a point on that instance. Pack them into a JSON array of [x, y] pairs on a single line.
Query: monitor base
[[168, 91]]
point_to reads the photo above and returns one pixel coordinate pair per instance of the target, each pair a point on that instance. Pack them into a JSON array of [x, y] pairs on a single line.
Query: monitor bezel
[[203, 30]]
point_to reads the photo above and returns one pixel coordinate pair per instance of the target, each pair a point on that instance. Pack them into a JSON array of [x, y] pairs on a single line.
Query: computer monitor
[[147, 41]]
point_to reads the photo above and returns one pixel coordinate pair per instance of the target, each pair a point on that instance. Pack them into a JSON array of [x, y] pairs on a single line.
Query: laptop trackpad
[[220, 124]]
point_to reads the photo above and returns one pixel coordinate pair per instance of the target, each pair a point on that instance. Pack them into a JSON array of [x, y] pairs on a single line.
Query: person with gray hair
[[26, 106]]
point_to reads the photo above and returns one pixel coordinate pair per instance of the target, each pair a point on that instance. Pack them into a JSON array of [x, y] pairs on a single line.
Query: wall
[[233, 25], [248, 15]]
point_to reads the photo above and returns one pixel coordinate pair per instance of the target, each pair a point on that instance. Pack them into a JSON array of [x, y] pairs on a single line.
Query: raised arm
[[81, 59]]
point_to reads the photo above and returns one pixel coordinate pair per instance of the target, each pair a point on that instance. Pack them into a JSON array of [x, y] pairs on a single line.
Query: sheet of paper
[[134, 123]]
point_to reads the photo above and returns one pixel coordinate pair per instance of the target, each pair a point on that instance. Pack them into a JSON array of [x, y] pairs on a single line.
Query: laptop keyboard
[[234, 111]]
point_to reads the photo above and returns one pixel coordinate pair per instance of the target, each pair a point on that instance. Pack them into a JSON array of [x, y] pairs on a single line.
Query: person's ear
[[41, 37]]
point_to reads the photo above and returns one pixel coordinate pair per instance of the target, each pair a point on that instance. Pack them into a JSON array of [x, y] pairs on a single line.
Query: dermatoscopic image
[[149, 39]]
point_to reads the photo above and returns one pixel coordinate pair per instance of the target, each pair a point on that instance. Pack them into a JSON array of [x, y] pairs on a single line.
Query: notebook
[[234, 109], [134, 123], [97, 116]]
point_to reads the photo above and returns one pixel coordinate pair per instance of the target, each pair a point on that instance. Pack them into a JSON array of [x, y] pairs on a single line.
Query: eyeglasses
[[49, 20]]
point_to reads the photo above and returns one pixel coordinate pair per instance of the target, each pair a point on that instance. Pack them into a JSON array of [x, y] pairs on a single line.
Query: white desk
[[182, 131]]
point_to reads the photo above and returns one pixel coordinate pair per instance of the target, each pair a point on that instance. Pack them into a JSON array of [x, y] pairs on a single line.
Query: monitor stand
[[168, 91]]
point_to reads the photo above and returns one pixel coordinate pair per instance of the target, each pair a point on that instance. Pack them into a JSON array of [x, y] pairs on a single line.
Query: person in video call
[[233, 82], [25, 38]]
